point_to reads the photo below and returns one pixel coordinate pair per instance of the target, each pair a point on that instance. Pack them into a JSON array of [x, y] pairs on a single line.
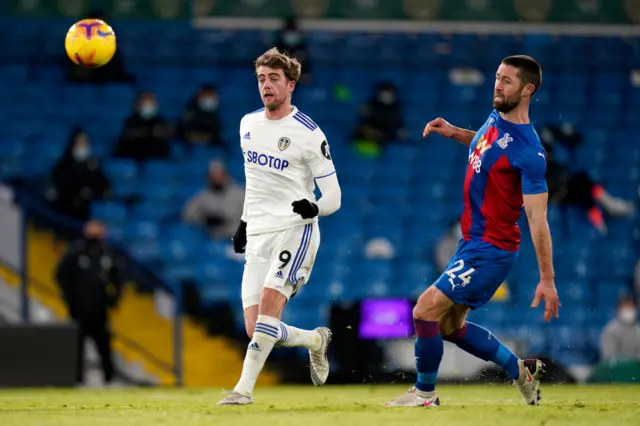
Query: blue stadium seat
[[211, 273], [214, 293], [141, 230], [149, 210], [121, 169], [145, 250], [176, 271], [108, 211], [177, 250]]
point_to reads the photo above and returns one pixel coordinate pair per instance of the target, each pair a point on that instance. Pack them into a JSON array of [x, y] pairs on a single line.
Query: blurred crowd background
[[130, 178]]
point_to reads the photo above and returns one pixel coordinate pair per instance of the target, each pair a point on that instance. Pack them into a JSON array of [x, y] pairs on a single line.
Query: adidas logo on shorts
[[279, 275]]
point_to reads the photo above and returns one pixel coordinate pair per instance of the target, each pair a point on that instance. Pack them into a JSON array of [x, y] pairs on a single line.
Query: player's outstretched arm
[[446, 129], [536, 208]]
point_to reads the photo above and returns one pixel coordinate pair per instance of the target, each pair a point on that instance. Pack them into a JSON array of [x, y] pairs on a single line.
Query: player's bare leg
[[250, 318], [431, 308], [481, 343]]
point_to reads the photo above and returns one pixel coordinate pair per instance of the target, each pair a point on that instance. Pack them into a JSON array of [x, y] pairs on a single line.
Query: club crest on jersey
[[283, 143], [503, 142]]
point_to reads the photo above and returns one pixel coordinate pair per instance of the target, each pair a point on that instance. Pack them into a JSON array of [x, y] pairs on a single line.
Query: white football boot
[[319, 364], [236, 398], [529, 381], [415, 398]]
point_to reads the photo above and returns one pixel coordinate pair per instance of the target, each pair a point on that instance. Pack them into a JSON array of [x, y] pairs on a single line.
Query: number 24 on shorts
[[464, 278]]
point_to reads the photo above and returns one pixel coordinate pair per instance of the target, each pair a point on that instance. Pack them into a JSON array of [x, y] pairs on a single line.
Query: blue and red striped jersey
[[506, 160]]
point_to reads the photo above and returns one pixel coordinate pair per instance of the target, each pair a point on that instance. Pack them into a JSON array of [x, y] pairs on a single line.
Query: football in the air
[[90, 43]]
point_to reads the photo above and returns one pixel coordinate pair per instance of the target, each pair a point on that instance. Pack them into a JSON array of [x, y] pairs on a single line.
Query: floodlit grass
[[330, 405]]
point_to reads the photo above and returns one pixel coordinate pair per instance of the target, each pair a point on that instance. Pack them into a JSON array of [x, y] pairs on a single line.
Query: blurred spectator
[[217, 207], [200, 121], [379, 248], [113, 72], [575, 187], [146, 134], [620, 340], [569, 184], [380, 120], [291, 40], [90, 281], [78, 178], [447, 245]]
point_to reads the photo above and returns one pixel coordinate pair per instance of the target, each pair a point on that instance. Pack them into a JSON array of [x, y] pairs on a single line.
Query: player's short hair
[[529, 69], [275, 59]]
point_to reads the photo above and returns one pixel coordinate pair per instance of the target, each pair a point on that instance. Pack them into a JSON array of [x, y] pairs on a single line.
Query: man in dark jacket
[[200, 122], [89, 278], [146, 134], [77, 178], [381, 120]]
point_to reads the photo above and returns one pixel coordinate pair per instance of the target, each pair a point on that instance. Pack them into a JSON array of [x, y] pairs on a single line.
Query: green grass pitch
[[331, 405]]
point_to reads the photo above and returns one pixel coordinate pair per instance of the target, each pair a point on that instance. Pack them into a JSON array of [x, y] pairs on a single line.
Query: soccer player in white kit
[[285, 152]]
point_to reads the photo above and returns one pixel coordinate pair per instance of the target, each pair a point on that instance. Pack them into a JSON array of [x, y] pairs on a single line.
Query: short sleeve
[[319, 156], [532, 164]]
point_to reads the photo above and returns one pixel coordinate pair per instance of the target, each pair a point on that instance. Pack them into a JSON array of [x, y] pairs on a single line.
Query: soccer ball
[[90, 43]]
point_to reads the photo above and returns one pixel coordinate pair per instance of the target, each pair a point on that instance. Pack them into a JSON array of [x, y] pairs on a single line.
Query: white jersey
[[281, 160]]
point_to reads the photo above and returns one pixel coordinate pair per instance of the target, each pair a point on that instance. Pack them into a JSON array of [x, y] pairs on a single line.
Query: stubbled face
[[508, 89], [275, 88]]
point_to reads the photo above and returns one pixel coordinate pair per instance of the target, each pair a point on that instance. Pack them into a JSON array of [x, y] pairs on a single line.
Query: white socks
[[265, 336], [292, 336], [269, 332]]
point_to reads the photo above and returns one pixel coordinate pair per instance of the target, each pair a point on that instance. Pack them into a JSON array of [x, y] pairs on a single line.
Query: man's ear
[[528, 89]]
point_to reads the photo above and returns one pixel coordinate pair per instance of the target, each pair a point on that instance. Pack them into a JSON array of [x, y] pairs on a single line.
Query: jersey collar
[[291, 114]]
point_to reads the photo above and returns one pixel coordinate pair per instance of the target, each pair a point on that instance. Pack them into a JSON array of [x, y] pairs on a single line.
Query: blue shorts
[[475, 272]]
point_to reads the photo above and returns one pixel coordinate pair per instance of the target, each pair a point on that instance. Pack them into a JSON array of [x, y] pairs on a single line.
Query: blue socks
[[471, 338], [428, 352], [481, 343]]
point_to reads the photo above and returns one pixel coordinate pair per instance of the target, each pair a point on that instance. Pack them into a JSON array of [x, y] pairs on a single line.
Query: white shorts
[[280, 260]]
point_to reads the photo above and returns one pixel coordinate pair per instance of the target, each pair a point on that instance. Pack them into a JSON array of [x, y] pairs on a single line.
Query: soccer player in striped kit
[[285, 156], [505, 171]]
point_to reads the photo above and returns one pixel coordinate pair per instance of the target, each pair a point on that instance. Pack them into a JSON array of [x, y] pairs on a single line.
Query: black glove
[[240, 238], [305, 208]]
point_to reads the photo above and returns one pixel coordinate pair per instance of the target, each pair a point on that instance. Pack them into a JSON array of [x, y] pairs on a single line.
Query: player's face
[[507, 91], [275, 88]]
